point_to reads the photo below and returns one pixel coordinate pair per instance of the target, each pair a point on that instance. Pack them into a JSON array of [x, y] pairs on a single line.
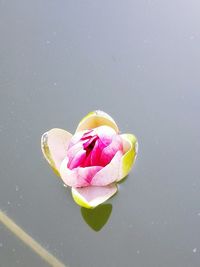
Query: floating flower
[[92, 160]]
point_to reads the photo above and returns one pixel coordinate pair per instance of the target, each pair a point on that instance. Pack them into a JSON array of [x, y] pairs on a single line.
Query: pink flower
[[93, 160]]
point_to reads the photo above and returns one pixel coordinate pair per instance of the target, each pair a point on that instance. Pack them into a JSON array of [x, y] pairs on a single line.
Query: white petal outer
[[54, 146], [92, 196], [110, 173], [130, 147], [95, 119], [77, 177]]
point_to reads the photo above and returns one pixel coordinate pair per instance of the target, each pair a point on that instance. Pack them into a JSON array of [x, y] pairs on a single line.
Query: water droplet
[[194, 250], [138, 252], [16, 188], [1, 245], [64, 185]]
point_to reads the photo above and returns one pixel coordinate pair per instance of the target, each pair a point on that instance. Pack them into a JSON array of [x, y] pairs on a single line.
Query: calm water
[[137, 60]]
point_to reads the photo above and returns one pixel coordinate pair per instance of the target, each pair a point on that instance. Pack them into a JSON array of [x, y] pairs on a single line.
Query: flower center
[[90, 143]]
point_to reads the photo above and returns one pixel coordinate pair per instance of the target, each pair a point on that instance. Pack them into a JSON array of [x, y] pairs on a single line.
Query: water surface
[[137, 60]]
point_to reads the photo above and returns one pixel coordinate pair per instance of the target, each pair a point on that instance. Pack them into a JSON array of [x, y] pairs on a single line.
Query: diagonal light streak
[[29, 241]]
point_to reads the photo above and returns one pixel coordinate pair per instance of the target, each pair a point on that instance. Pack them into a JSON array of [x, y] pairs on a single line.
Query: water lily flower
[[92, 160]]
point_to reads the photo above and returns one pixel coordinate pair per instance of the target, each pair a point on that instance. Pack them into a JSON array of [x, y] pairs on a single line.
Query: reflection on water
[[98, 217]]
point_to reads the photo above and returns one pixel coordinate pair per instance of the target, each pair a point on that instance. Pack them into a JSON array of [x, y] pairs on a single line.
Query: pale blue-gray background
[[140, 62]]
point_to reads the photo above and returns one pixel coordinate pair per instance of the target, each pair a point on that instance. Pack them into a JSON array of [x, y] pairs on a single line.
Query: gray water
[[137, 60]]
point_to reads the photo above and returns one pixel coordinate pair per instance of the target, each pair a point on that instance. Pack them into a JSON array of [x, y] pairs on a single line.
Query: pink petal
[[77, 160], [109, 173], [96, 153], [105, 133], [93, 196], [78, 177], [87, 162], [77, 138], [109, 151], [93, 158], [74, 153], [54, 144]]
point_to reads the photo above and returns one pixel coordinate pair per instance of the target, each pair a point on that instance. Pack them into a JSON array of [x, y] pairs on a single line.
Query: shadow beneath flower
[[98, 217]]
